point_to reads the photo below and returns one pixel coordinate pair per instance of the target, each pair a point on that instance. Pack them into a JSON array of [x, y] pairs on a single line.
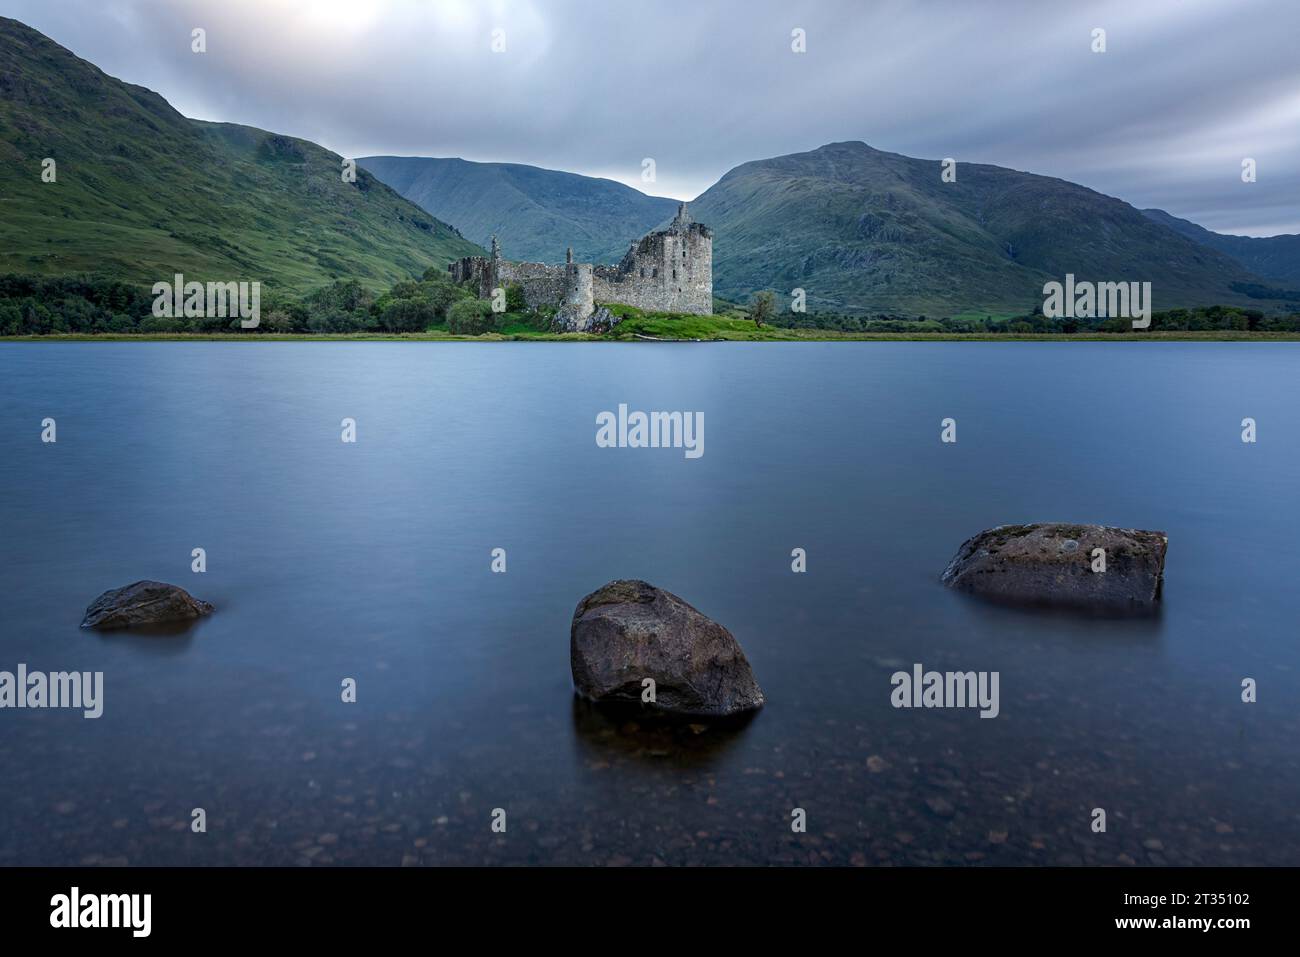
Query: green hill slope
[[1273, 257], [867, 231], [142, 192], [536, 213]]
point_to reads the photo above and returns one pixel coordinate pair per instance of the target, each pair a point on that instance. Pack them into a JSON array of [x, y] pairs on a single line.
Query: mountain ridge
[[864, 230], [142, 192], [538, 213], [1270, 257]]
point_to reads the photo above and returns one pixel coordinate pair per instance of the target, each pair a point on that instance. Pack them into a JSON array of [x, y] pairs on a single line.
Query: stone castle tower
[[666, 271], [670, 270], [577, 300]]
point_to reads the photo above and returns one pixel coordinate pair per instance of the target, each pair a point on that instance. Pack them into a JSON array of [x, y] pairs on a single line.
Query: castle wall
[[666, 271], [476, 270], [542, 285], [670, 271]]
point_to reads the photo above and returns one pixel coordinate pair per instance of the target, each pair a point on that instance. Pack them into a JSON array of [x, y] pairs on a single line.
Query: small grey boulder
[[143, 603], [629, 630], [1056, 564]]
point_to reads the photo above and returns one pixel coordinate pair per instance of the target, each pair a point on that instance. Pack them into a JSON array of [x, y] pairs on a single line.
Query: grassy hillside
[[536, 213], [142, 192], [872, 232], [1276, 258]]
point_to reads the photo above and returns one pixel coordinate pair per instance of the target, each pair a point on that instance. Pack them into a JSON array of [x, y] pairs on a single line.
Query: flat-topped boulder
[[629, 630], [143, 603], [1056, 564]]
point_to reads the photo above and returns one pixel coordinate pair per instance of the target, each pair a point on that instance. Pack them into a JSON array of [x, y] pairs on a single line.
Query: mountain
[[861, 230], [1272, 257], [141, 192], [536, 213]]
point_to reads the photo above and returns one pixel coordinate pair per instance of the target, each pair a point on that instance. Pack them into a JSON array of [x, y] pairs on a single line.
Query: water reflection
[[627, 732]]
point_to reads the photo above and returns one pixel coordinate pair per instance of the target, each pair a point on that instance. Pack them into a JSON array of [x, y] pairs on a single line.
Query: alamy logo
[[58, 689], [1089, 300], [946, 689], [651, 430], [103, 910], [216, 300]]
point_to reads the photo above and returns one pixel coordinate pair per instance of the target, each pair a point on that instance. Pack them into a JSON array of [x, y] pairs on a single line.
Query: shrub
[[515, 301], [471, 317], [408, 315]]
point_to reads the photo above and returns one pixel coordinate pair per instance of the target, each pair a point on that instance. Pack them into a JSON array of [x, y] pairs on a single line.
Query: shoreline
[[777, 335]]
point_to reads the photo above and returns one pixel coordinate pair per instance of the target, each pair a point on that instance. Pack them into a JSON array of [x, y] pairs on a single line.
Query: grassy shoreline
[[759, 335]]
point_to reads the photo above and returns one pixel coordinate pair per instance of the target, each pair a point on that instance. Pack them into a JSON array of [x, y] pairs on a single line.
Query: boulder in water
[[143, 603], [629, 630], [1060, 564]]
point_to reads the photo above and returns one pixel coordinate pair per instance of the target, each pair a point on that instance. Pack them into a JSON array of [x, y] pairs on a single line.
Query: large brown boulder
[[629, 630], [1053, 564], [143, 603]]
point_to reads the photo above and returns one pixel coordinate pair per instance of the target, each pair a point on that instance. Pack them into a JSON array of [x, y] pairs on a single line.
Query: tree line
[[33, 305], [1200, 319]]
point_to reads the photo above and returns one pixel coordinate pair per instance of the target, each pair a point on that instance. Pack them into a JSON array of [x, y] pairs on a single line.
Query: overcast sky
[[1185, 90]]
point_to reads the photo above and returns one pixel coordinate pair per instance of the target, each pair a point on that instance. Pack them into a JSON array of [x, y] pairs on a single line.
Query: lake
[[371, 560]]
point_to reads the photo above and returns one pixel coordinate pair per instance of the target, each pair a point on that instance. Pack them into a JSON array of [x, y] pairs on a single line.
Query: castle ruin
[[666, 271]]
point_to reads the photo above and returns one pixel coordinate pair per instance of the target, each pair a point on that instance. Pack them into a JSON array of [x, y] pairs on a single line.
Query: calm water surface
[[371, 561]]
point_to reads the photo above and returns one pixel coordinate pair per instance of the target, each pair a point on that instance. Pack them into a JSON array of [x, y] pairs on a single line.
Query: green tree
[[471, 317], [408, 315], [515, 301], [762, 307]]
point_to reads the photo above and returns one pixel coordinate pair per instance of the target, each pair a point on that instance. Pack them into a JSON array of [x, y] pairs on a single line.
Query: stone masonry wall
[[666, 271], [542, 285], [669, 271]]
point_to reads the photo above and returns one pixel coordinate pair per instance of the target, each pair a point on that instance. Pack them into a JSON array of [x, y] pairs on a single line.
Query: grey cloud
[[1163, 118]]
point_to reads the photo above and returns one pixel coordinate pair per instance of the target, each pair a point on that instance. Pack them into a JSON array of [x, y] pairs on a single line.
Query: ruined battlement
[[670, 270]]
